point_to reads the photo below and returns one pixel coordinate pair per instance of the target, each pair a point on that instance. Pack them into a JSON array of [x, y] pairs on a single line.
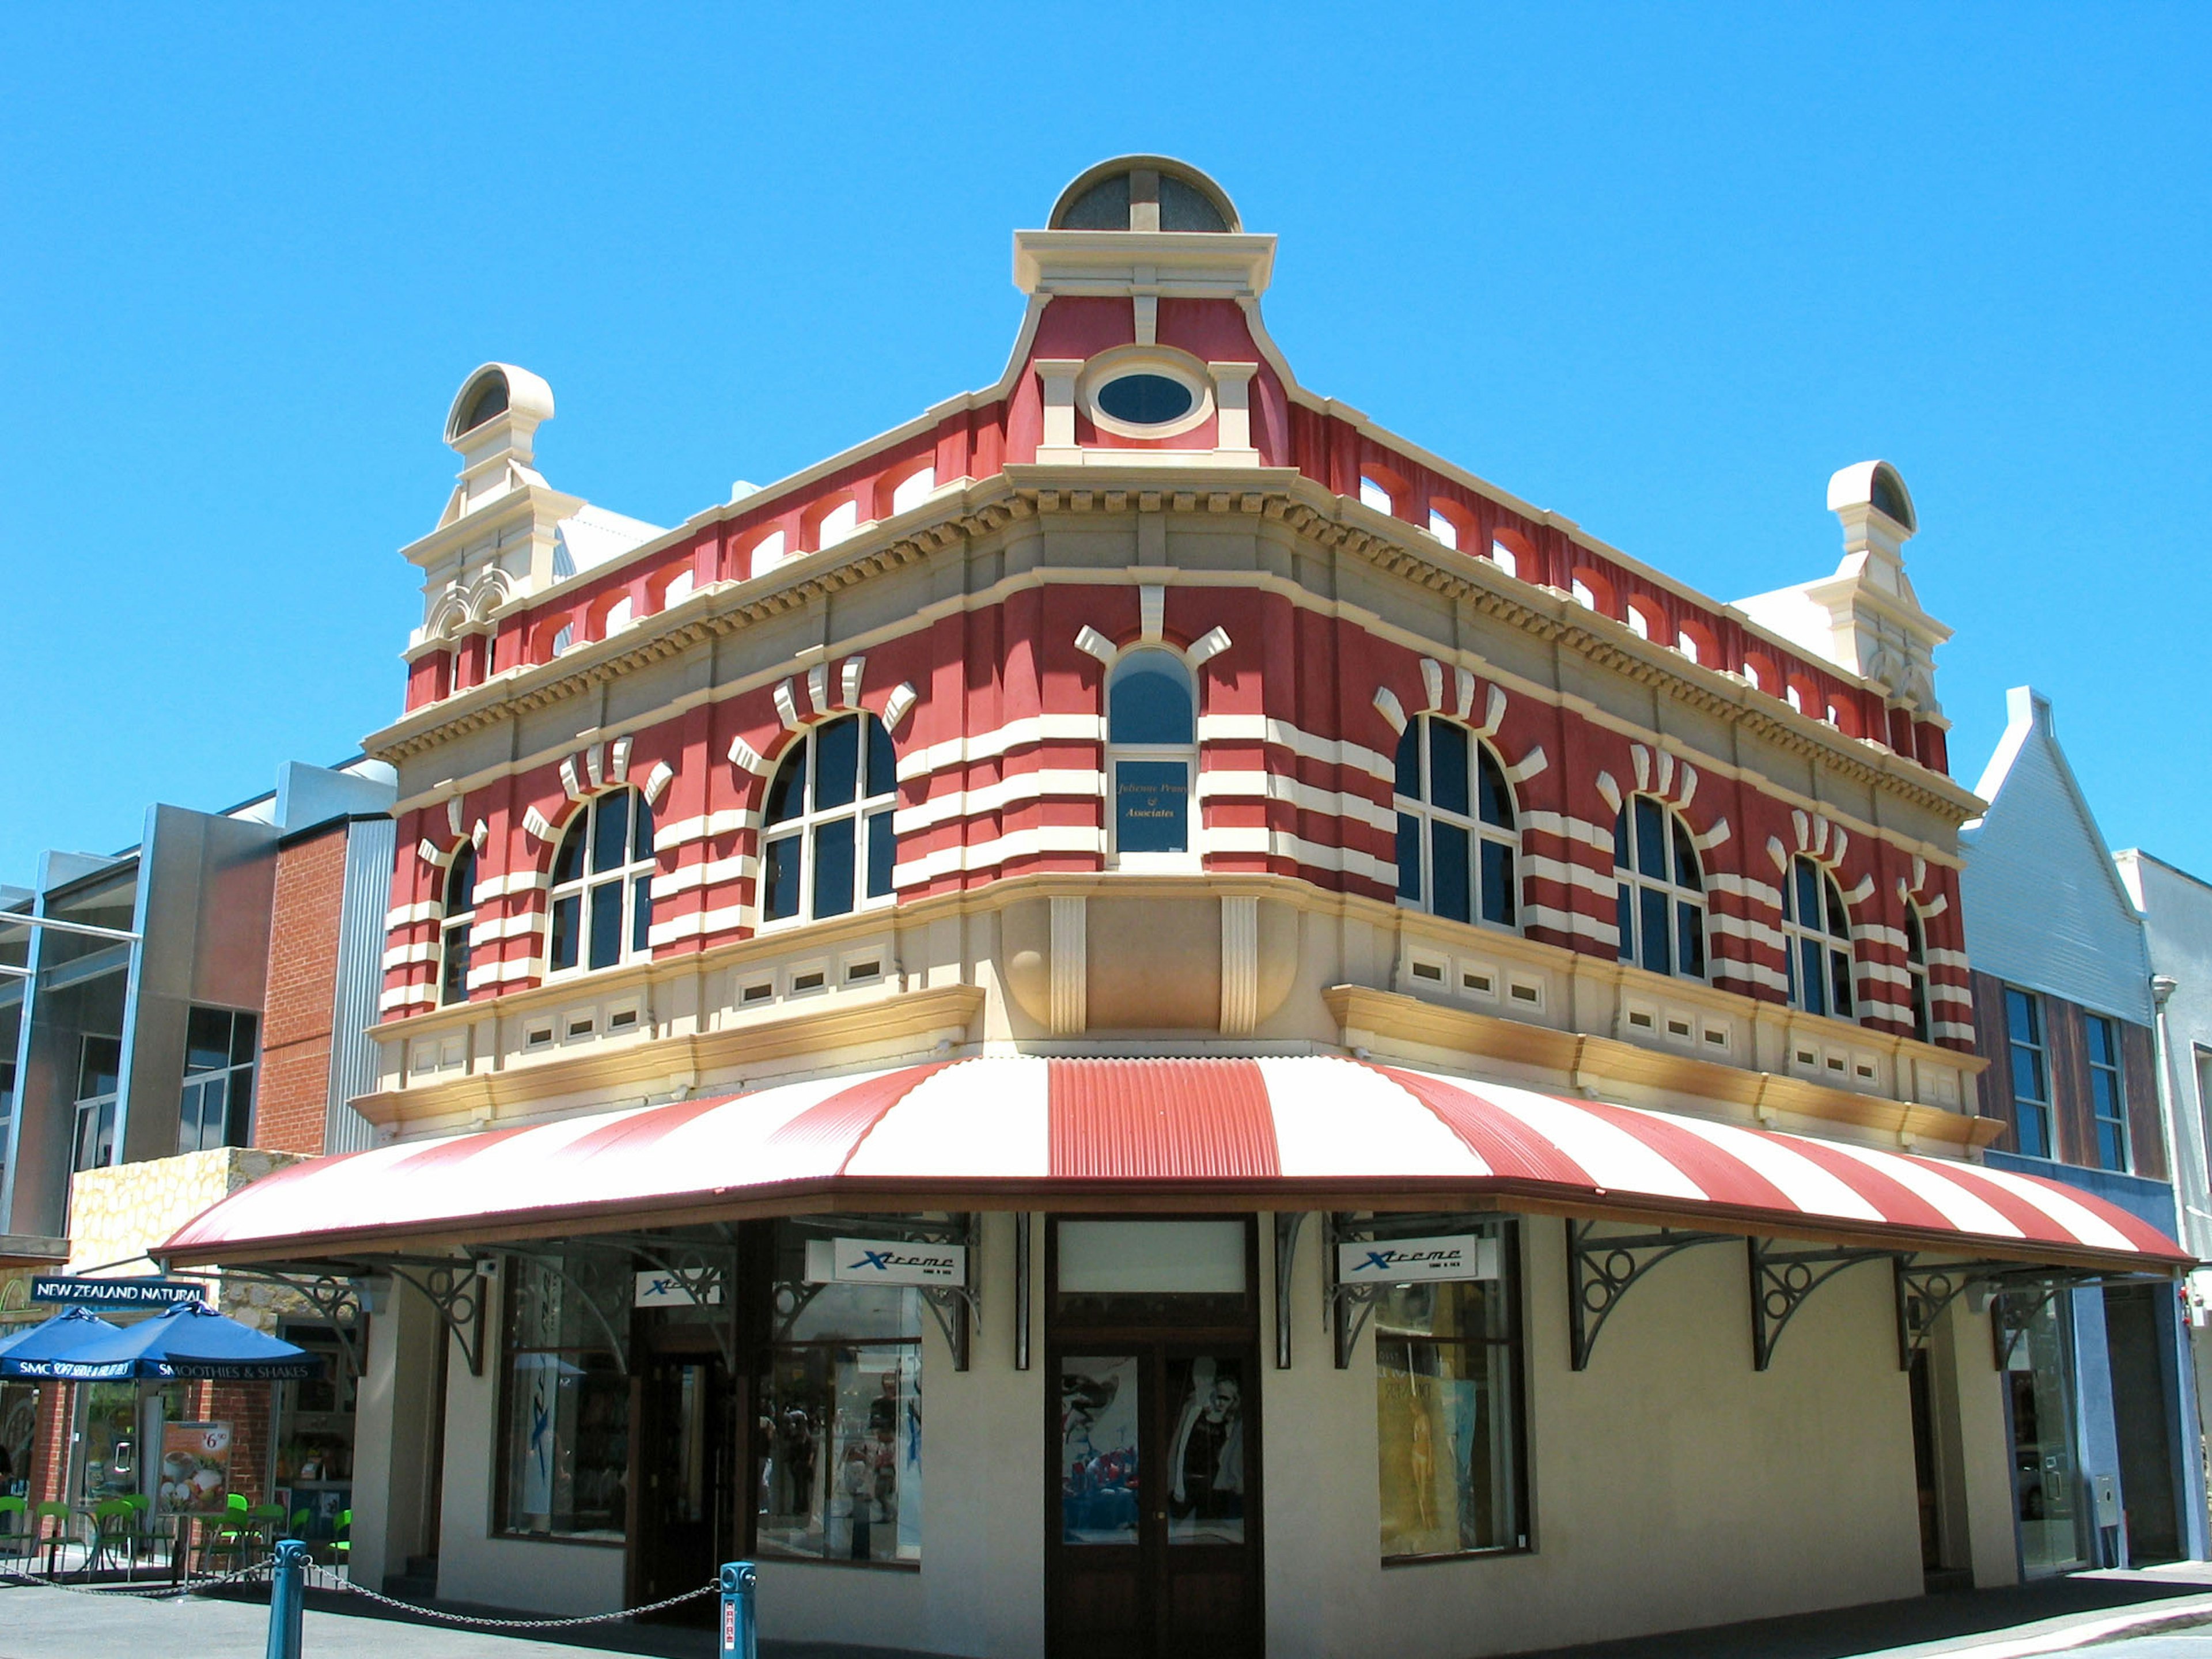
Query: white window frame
[[865, 810], [1632, 882], [1423, 814], [1920, 1006], [1818, 937], [2117, 1069], [635, 875], [1185, 754], [454, 925]]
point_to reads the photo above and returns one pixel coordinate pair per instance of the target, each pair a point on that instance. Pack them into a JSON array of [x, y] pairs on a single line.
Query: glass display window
[[315, 1436], [1449, 1416], [838, 1438], [565, 1442]]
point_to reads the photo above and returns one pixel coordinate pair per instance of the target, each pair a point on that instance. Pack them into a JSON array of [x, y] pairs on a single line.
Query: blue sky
[[1662, 270]]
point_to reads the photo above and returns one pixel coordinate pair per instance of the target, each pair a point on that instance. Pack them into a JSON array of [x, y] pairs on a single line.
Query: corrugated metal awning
[[1272, 1133]]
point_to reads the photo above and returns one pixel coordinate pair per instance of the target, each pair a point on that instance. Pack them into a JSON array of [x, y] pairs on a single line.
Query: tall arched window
[[1456, 840], [1916, 970], [829, 846], [1817, 934], [603, 884], [1151, 738], [1661, 891], [459, 913]]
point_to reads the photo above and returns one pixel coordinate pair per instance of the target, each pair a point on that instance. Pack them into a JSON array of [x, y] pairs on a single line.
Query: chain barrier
[[172, 1591], [323, 1578]]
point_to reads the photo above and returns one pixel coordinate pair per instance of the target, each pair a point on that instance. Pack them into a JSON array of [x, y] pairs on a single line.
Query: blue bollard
[[287, 1599], [740, 1634]]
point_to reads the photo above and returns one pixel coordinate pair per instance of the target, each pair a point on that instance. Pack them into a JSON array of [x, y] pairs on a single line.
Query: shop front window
[[2039, 1396], [840, 1418], [1448, 1413], [314, 1437], [19, 1428], [567, 1407]]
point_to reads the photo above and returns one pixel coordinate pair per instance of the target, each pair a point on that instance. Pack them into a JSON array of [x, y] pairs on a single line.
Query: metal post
[[287, 1594], [740, 1636]]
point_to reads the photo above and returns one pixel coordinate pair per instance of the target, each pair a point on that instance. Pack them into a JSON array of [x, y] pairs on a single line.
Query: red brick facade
[[297, 1018]]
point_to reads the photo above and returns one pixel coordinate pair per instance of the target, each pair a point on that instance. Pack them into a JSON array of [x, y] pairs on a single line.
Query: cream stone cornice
[[1598, 1065], [1301, 506], [675, 1063]]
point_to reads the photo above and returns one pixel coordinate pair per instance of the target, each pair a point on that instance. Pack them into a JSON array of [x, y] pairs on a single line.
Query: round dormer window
[[1146, 391], [1143, 399]]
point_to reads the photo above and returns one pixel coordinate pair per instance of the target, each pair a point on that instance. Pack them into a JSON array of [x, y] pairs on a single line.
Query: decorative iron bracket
[[1346, 1309], [1925, 1290], [2014, 1308], [1600, 1268], [454, 1289], [1288, 1225], [1024, 1225], [336, 1298], [1783, 1278], [958, 1309], [613, 1327], [706, 1270]]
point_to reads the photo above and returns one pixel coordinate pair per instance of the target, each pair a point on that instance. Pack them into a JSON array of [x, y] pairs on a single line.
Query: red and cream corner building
[[1381, 1072]]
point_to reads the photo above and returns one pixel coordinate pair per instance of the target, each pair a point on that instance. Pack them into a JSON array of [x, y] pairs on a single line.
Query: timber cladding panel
[[2146, 1130], [1989, 1042]]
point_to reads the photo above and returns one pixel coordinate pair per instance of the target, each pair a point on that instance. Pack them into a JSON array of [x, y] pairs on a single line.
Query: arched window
[[1661, 891], [1151, 747], [1456, 840], [1817, 934], [459, 911], [1916, 970], [829, 846], [603, 884]]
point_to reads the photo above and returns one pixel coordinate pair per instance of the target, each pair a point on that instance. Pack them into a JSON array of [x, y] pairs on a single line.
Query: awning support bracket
[[556, 1263], [1602, 1268], [1024, 1225], [958, 1308], [336, 1300], [456, 1291], [706, 1272], [1288, 1225], [1346, 1309], [1783, 1279], [2018, 1291]]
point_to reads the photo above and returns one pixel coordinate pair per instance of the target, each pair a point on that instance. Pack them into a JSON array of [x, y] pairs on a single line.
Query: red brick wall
[[295, 1029], [245, 1407]]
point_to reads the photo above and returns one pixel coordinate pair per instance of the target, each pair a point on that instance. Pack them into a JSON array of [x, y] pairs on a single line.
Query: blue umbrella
[[189, 1341], [27, 1352]]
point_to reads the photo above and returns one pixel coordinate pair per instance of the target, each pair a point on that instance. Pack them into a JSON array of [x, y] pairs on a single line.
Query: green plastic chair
[[301, 1520], [140, 1532], [17, 1541], [232, 1536], [341, 1537], [58, 1512], [110, 1520]]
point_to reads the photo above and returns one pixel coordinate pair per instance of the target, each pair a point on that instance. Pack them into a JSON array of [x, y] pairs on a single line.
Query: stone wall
[[118, 1214]]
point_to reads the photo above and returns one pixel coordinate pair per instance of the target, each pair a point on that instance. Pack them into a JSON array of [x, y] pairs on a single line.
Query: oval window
[[1146, 399]]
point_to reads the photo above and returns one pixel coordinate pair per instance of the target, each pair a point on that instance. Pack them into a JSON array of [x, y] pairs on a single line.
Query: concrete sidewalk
[[2051, 1616], [2054, 1616]]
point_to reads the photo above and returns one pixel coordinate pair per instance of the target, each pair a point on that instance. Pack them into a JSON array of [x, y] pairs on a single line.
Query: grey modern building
[[132, 985]]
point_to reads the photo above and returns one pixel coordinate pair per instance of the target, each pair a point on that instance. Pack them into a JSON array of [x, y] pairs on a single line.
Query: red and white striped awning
[[1016, 1132]]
